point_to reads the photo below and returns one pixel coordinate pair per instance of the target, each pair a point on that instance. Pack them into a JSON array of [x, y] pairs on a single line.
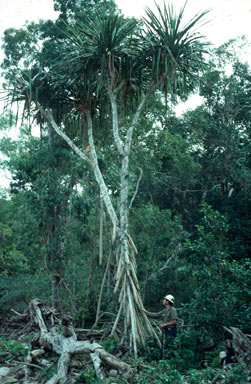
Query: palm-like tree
[[110, 58]]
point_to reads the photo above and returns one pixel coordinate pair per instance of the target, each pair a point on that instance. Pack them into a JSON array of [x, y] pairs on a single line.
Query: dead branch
[[51, 338]]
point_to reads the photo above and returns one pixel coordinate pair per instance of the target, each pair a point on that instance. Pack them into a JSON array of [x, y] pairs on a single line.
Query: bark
[[99, 178], [101, 225], [97, 363]]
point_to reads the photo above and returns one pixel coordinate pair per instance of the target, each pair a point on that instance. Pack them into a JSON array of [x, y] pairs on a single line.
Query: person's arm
[[169, 324], [154, 315]]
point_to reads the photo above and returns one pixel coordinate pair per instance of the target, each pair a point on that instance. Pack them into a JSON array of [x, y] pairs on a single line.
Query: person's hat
[[169, 298]]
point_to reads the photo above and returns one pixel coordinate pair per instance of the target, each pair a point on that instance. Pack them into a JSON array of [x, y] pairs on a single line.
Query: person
[[228, 356], [169, 319]]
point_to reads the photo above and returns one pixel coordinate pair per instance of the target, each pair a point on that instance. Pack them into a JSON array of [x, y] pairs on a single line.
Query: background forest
[[189, 188]]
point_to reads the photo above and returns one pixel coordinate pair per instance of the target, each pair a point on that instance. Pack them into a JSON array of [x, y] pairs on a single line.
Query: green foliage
[[236, 374], [188, 351], [14, 347], [218, 299], [174, 48], [109, 50], [88, 376], [160, 373], [200, 376], [79, 9], [18, 292], [12, 261], [48, 372], [152, 351], [166, 372], [158, 239], [109, 344], [19, 45]]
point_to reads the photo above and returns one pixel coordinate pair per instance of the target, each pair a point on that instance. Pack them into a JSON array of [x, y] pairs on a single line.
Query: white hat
[[169, 298]]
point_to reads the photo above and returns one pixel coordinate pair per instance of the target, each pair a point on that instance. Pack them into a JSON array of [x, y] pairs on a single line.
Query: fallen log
[[66, 345]]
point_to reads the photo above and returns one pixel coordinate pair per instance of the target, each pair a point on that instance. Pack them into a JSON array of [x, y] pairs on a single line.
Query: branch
[[99, 178], [16, 313], [92, 161], [175, 253], [132, 244], [101, 289], [196, 190], [137, 187], [48, 116], [129, 134], [115, 128], [119, 86], [25, 363], [97, 365]]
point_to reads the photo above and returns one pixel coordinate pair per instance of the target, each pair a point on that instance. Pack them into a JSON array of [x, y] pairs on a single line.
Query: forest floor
[[41, 347], [38, 346]]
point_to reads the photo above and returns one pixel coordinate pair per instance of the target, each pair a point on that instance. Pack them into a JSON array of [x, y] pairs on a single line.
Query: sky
[[226, 20]]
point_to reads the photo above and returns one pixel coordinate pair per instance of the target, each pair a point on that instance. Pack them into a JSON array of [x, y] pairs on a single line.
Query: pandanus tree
[[114, 61]]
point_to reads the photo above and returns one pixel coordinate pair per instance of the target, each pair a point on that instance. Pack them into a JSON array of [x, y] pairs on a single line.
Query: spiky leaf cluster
[[175, 52]]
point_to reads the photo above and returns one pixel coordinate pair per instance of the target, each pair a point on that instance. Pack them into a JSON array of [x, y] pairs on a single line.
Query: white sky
[[227, 19]]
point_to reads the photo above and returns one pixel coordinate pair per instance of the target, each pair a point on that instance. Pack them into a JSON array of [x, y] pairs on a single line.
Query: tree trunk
[[135, 331], [136, 324]]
